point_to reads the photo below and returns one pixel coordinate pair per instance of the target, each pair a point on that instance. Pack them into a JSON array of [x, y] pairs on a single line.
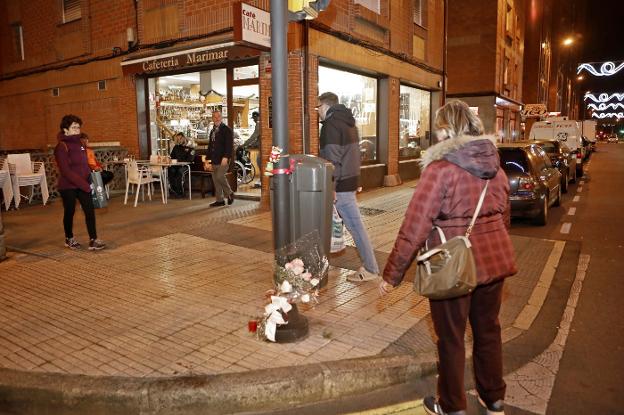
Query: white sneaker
[[362, 275]]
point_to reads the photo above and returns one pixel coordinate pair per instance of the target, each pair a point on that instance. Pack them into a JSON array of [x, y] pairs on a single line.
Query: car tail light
[[525, 185]]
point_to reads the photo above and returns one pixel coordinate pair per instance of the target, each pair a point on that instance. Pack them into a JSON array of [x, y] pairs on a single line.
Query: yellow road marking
[[404, 408]]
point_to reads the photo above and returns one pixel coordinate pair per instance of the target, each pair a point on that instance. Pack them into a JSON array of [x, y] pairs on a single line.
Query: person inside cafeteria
[[183, 151]]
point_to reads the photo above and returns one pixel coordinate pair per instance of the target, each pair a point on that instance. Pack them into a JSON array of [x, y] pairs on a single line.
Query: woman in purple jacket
[[455, 171], [73, 182]]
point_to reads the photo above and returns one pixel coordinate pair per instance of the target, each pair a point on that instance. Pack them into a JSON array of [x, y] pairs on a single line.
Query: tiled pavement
[[174, 292]]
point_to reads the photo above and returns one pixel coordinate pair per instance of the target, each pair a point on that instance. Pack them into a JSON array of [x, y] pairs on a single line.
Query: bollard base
[[296, 329]]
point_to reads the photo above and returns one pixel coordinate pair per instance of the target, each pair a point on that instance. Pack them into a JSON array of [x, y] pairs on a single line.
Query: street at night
[[333, 207]]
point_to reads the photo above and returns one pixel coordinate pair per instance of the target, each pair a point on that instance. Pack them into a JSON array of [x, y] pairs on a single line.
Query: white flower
[[306, 276], [286, 287], [305, 298], [314, 282], [288, 265], [297, 270], [297, 262]]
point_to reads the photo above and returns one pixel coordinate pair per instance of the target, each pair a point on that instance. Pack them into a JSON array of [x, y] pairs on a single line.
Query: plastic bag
[[337, 235]]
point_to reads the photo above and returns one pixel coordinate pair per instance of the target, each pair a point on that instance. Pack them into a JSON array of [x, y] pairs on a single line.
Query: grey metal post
[[279, 83]]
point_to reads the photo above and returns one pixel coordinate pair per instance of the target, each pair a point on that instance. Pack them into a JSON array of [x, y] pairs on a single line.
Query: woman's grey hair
[[455, 119]]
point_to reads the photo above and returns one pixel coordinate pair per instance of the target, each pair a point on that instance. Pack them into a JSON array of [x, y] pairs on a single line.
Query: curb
[[27, 393]]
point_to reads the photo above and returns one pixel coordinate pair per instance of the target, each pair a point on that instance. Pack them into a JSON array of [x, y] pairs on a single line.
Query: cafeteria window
[[359, 94], [184, 103], [414, 121]]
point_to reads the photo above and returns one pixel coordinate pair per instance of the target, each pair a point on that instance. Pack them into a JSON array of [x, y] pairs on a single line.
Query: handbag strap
[[476, 213]]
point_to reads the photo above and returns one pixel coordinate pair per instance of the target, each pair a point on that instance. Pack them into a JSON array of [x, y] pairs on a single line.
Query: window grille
[[418, 12], [71, 10], [374, 5], [18, 40]]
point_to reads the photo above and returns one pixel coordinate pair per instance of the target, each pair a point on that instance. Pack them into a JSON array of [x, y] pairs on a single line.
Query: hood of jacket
[[341, 113], [475, 154]]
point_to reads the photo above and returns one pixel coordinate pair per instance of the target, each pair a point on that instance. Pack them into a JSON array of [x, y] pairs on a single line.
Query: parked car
[[612, 139], [535, 184], [562, 158], [566, 131], [589, 148]]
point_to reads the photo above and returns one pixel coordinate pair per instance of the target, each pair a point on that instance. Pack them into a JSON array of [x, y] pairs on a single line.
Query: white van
[[566, 131]]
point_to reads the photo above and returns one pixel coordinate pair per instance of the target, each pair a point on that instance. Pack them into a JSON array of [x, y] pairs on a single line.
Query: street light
[[568, 41]]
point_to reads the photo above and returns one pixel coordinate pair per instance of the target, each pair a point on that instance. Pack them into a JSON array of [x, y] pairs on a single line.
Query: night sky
[[603, 41]]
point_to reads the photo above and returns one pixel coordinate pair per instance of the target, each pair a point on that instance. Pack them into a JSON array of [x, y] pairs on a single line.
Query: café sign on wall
[[252, 25]]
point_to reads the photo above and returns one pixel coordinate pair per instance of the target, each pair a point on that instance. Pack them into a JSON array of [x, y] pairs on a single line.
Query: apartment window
[[374, 5], [414, 125], [71, 10], [359, 94], [506, 78], [18, 40], [509, 20], [418, 12]]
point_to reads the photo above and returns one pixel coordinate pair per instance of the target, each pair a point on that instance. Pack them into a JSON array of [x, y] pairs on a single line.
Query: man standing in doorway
[[220, 151], [340, 144], [254, 142]]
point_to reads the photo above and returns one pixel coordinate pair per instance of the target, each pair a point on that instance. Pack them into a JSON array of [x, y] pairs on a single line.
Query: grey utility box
[[311, 198]]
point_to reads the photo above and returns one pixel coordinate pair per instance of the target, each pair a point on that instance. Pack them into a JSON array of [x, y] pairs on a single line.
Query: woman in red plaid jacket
[[454, 173]]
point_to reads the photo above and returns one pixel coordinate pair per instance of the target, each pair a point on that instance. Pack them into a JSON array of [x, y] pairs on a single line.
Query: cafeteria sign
[[534, 111], [172, 61]]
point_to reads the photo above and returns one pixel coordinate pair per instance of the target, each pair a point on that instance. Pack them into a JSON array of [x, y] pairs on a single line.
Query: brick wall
[[471, 46], [479, 43]]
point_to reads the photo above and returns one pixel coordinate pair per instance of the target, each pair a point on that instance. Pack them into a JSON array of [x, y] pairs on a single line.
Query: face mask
[[322, 110]]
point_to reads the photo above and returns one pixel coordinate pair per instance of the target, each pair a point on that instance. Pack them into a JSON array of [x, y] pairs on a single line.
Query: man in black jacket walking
[[220, 151], [340, 144]]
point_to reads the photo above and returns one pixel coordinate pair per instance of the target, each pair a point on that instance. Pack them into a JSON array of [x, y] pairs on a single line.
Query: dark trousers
[[176, 179], [449, 321], [69, 197]]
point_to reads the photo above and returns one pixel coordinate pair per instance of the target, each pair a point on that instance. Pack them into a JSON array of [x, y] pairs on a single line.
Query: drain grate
[[371, 211]]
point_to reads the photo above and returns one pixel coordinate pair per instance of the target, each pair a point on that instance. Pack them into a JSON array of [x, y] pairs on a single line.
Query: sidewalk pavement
[[157, 323]]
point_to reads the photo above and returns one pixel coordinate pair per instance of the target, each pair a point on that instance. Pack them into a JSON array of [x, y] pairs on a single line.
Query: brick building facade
[[113, 63], [485, 60], [552, 79]]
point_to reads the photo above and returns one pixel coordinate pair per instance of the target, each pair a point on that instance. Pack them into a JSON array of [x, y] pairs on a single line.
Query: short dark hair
[[328, 98], [68, 120]]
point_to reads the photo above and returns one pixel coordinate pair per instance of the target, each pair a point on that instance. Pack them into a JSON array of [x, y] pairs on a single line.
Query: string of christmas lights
[[606, 69], [604, 97], [602, 115], [603, 106]]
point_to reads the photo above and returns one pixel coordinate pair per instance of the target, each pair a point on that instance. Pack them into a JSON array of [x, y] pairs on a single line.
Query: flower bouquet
[[299, 270]]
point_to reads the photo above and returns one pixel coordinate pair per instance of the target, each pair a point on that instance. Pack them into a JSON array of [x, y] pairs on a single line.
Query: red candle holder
[[252, 326]]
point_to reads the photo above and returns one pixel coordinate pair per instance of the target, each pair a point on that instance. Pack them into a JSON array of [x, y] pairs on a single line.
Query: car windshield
[[549, 148], [513, 160]]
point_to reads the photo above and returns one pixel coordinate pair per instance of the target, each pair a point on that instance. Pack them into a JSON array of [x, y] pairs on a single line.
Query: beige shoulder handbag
[[448, 270]]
